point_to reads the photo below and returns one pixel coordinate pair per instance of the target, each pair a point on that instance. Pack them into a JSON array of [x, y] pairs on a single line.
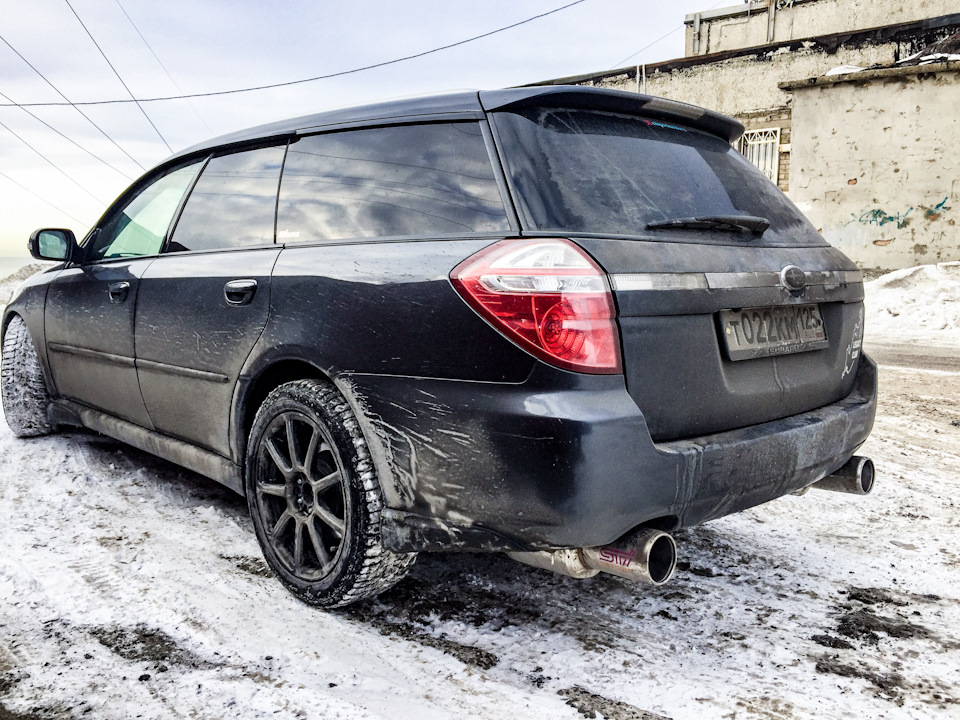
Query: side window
[[233, 202], [139, 227], [391, 181]]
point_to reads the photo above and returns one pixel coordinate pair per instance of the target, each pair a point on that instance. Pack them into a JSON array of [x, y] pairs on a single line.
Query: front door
[[90, 307]]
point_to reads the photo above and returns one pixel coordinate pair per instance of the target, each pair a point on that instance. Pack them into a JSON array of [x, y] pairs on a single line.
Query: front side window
[[407, 180], [140, 226], [233, 202]]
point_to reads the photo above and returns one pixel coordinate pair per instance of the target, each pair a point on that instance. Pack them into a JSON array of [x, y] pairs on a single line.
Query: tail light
[[549, 297]]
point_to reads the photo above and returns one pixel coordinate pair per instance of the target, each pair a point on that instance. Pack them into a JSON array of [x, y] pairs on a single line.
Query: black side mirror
[[53, 244]]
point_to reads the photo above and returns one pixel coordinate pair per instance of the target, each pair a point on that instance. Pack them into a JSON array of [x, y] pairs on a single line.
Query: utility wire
[[69, 140], [52, 163], [90, 35], [618, 65], [645, 47], [68, 102], [160, 63], [40, 197], [318, 77]]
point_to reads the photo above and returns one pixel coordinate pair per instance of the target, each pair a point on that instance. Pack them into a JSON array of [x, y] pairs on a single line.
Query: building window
[[762, 148]]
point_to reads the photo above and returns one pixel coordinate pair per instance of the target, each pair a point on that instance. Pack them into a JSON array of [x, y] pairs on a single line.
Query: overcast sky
[[212, 45]]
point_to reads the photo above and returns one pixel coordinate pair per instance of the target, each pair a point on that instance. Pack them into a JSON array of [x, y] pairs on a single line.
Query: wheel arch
[[36, 330], [271, 372], [252, 391]]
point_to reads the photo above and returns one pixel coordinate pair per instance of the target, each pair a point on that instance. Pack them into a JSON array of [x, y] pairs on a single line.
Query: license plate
[[765, 331]]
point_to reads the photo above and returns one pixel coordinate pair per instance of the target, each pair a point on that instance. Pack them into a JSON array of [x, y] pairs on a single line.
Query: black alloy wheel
[[315, 498], [301, 497]]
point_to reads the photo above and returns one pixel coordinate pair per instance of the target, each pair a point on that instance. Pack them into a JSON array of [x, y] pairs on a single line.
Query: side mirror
[[52, 244]]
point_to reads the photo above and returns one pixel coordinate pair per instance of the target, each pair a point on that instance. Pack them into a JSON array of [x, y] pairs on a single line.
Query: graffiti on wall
[[880, 217], [936, 211]]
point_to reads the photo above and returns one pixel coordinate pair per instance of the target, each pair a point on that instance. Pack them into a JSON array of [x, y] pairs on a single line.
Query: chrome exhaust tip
[[648, 556], [855, 477]]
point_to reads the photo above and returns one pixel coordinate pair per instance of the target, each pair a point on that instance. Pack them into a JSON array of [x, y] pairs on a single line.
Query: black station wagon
[[555, 322]]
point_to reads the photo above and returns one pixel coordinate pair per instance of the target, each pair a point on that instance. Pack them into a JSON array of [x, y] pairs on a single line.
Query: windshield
[[600, 172]]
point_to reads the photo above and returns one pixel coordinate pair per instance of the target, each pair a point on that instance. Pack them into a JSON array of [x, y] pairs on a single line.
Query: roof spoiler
[[591, 98]]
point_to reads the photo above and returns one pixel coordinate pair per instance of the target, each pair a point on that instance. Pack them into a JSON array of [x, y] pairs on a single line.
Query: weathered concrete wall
[[748, 25], [876, 164], [749, 83]]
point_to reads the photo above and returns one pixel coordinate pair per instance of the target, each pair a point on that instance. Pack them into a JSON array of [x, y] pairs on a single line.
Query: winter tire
[[315, 498], [24, 392]]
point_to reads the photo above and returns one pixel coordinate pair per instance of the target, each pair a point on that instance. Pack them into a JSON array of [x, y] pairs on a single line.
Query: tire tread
[[24, 391]]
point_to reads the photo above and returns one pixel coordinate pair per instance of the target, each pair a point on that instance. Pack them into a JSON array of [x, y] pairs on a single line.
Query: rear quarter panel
[[380, 309]]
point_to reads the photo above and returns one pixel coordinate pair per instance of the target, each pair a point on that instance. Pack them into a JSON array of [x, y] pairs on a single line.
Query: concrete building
[[766, 63], [877, 164]]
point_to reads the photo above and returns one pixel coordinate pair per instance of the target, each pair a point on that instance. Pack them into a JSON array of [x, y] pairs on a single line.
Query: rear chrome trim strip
[[725, 281], [659, 281]]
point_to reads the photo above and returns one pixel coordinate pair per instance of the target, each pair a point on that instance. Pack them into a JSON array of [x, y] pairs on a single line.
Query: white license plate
[[765, 331]]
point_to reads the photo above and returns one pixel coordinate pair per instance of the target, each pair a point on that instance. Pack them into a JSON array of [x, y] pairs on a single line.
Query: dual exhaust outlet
[[650, 556]]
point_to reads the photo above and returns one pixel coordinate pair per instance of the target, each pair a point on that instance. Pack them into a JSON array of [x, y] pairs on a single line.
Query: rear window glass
[[233, 202], [392, 181], [599, 172]]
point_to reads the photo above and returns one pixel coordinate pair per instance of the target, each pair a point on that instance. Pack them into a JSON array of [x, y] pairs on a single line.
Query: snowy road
[[131, 588]]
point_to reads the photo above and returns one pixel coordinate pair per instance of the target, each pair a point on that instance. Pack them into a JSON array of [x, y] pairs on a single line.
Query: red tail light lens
[[549, 297]]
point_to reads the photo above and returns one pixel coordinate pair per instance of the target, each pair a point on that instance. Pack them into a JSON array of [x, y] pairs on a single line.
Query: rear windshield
[[589, 171]]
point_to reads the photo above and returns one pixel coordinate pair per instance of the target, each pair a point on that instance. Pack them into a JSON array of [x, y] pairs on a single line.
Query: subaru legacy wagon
[[558, 322]]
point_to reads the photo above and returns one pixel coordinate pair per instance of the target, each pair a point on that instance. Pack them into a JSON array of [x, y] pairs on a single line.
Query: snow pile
[[12, 281], [904, 303], [844, 70], [947, 50]]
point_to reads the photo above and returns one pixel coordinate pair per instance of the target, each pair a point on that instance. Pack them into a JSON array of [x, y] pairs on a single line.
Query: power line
[[160, 63], [645, 47], [618, 65], [52, 163], [69, 103], [40, 197], [90, 35], [70, 140], [318, 77]]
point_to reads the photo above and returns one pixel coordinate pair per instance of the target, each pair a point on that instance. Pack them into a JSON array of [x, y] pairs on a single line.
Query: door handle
[[240, 292], [118, 291]]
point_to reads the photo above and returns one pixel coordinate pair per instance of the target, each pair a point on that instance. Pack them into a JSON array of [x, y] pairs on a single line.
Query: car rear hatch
[[732, 309]]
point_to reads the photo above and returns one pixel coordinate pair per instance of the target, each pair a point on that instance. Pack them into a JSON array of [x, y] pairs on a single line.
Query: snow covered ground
[[132, 588]]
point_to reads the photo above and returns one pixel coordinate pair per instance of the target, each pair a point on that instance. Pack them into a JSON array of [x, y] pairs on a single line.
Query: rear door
[[204, 301], [89, 312]]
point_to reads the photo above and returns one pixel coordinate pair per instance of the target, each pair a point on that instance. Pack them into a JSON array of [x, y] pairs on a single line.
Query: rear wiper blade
[[752, 223]]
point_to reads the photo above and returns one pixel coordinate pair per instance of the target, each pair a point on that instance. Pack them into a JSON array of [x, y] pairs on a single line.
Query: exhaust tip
[[865, 475], [855, 477], [662, 562], [649, 556]]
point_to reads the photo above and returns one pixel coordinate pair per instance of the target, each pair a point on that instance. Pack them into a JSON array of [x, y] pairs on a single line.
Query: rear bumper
[[735, 470], [566, 460]]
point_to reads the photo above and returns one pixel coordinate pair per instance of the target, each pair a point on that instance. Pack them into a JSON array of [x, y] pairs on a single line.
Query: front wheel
[[315, 499], [24, 392]]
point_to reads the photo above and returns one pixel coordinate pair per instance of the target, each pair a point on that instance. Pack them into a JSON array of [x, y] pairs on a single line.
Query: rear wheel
[[24, 392], [315, 498]]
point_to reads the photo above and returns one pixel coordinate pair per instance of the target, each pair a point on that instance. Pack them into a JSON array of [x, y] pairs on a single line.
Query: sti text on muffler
[[855, 477], [648, 556]]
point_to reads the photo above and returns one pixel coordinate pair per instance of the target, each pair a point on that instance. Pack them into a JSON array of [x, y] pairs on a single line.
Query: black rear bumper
[[565, 460]]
